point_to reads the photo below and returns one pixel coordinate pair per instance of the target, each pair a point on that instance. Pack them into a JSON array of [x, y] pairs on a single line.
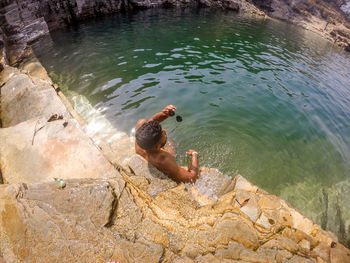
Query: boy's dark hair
[[148, 135]]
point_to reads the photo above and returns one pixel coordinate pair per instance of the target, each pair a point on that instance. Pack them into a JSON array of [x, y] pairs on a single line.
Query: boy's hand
[[190, 152], [168, 109]]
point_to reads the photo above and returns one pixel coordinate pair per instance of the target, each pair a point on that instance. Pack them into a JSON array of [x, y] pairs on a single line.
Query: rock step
[[35, 149], [123, 223], [23, 99]]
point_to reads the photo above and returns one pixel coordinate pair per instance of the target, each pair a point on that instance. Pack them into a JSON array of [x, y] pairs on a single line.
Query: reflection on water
[[258, 97]]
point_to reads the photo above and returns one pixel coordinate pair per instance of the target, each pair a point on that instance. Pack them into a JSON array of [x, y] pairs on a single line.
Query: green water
[[258, 97]]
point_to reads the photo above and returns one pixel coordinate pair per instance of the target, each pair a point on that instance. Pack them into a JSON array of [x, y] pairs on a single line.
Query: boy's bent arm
[[164, 114], [168, 166]]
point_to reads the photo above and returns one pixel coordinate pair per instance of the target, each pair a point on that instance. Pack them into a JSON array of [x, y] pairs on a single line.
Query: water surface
[[258, 97]]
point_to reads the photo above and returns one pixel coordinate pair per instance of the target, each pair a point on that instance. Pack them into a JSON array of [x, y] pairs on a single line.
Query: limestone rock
[[282, 243], [321, 251], [36, 70], [237, 230], [339, 254], [22, 100], [299, 259], [248, 204], [58, 149], [244, 184], [41, 222]]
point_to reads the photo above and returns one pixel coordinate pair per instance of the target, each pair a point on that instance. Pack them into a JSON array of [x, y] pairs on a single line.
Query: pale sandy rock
[[248, 204], [298, 236], [7, 73], [233, 251], [285, 218], [269, 202], [266, 221], [263, 256], [127, 216], [233, 229], [305, 244], [153, 233], [208, 258], [320, 260], [203, 200], [35, 70], [282, 243], [301, 222], [56, 151], [135, 252], [299, 259], [283, 256], [321, 251], [183, 260], [22, 100], [339, 254], [37, 219], [119, 149], [244, 184], [41, 221], [326, 236]]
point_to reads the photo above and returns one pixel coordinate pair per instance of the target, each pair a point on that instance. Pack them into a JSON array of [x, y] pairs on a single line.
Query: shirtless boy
[[150, 144]]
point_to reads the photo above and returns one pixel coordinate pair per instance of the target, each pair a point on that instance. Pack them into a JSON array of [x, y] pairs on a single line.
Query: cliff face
[[24, 21], [326, 18]]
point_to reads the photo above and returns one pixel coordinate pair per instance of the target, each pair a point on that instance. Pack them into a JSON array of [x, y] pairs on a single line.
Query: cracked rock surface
[[99, 220], [132, 213]]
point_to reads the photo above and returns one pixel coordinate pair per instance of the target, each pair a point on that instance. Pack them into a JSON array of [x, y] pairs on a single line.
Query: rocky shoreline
[[107, 210], [109, 204]]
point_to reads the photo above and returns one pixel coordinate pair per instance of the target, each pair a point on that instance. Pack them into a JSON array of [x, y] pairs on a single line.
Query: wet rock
[[212, 183], [53, 151], [116, 145], [35, 70]]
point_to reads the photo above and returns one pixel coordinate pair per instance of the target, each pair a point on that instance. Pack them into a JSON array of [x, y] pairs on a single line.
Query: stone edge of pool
[[99, 210]]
